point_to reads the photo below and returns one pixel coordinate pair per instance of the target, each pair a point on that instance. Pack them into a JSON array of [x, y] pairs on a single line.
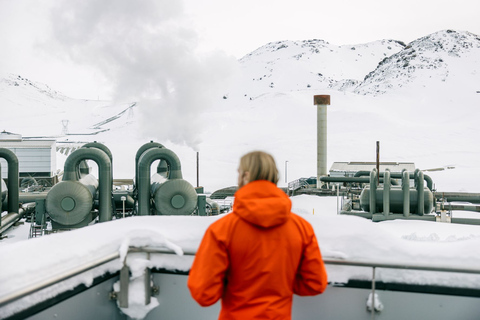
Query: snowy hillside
[[419, 100], [440, 57]]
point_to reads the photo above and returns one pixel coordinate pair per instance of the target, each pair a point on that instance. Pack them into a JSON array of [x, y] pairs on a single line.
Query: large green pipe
[[420, 189], [100, 146], [396, 175], [13, 176], [140, 151], [104, 176], [144, 163]]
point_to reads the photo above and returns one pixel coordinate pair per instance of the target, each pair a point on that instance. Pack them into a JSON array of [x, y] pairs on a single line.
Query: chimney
[[321, 101]]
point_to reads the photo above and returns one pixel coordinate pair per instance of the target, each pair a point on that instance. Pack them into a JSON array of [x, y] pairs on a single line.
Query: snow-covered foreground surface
[[340, 237]]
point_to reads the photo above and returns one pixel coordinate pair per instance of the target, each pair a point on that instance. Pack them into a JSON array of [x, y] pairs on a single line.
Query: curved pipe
[[144, 164], [396, 175], [100, 146], [104, 173], [13, 176], [406, 193], [140, 151]]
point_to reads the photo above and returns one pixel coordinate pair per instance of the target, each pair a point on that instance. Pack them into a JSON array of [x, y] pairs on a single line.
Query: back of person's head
[[260, 165]]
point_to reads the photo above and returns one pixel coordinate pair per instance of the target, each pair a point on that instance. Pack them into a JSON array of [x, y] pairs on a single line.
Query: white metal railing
[[9, 298]]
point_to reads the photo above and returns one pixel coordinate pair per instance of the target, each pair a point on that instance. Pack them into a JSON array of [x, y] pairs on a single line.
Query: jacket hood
[[262, 203]]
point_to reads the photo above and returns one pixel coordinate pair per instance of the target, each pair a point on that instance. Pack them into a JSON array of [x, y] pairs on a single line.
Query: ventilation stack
[[321, 101]]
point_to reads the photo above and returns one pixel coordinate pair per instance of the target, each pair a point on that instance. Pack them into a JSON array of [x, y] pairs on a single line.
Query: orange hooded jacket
[[256, 257]]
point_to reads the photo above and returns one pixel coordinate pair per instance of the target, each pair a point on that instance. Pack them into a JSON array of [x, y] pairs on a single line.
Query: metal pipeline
[[395, 175], [140, 151], [351, 179], [144, 163], [11, 218], [102, 147], [406, 193], [104, 172], [373, 191], [458, 196], [386, 193], [420, 191], [13, 176]]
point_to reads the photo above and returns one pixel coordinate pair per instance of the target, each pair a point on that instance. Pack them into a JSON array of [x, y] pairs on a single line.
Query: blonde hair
[[260, 165]]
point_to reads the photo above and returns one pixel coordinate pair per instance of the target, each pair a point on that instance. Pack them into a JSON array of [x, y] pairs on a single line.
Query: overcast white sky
[[80, 47]]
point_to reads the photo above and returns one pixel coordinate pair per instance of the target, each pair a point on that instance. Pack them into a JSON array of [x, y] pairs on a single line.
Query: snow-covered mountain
[[419, 100], [442, 56]]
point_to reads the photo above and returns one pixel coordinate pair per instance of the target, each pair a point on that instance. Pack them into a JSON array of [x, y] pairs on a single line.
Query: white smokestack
[[321, 101]]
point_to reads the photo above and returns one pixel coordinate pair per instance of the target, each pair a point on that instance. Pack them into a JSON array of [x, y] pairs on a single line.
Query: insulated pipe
[[104, 172], [386, 193], [11, 218], [321, 101], [13, 176], [140, 151], [395, 175], [406, 193], [102, 147], [420, 192], [373, 191], [144, 163], [458, 196], [350, 179]]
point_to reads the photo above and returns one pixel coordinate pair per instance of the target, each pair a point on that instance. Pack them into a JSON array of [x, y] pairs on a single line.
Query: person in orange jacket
[[255, 258]]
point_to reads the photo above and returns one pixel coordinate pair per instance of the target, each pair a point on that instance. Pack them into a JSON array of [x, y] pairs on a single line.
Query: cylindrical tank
[[173, 197], [70, 202], [396, 200]]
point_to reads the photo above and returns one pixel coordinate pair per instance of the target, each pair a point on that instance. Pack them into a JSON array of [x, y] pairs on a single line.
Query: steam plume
[[149, 54]]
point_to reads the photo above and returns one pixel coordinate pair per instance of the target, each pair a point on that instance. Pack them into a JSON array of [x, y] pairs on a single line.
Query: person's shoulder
[[224, 221]]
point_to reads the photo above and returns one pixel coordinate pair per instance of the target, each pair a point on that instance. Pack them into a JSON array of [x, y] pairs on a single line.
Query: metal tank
[[396, 198]]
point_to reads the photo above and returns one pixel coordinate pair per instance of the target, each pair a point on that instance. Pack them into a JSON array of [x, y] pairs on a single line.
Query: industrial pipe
[[373, 191], [13, 176], [395, 175], [104, 172], [351, 179], [397, 200], [406, 193], [420, 190], [386, 193], [102, 147], [458, 196], [144, 163], [11, 218], [140, 151]]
